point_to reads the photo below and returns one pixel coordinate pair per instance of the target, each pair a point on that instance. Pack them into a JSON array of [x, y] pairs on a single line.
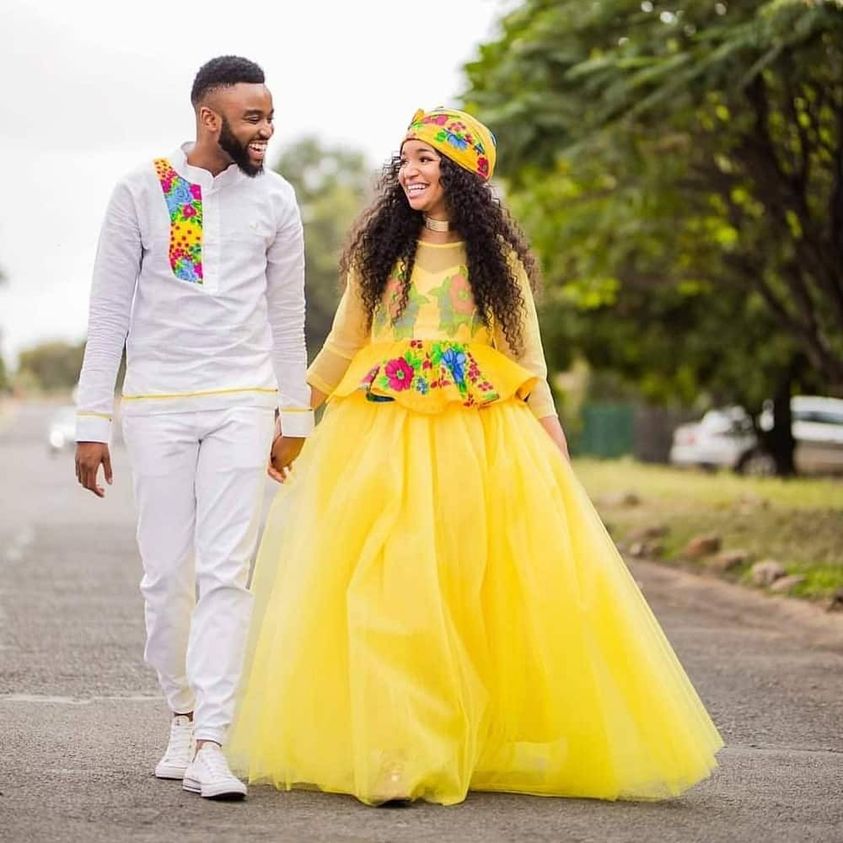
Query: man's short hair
[[224, 72]]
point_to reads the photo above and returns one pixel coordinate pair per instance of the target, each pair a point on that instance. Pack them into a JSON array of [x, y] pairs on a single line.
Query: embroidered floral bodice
[[437, 350]]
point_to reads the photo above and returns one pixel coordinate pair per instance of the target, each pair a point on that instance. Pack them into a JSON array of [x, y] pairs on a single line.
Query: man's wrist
[[92, 427], [295, 422]]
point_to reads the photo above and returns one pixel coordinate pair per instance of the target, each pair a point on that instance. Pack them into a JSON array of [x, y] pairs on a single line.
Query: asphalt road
[[82, 723]]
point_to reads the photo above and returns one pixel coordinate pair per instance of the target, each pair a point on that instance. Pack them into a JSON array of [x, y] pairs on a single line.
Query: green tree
[[332, 184], [54, 366], [679, 166]]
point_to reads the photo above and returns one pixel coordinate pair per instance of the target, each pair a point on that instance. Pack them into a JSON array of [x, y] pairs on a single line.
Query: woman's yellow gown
[[438, 606]]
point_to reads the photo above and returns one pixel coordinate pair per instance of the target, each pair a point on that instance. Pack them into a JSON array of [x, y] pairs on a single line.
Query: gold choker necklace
[[437, 225]]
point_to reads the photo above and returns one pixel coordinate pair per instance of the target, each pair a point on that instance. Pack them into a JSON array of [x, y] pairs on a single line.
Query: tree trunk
[[779, 441]]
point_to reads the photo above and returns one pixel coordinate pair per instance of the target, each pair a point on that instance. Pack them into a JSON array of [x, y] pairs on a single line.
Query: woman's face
[[419, 176]]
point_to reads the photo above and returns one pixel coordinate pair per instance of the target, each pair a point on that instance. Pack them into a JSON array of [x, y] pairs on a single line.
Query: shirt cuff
[[92, 427], [295, 422]]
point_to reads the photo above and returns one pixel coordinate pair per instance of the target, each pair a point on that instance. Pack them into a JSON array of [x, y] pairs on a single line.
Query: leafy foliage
[[52, 366], [679, 167], [332, 184]]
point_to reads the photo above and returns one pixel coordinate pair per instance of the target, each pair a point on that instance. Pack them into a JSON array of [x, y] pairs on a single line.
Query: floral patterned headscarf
[[463, 138]]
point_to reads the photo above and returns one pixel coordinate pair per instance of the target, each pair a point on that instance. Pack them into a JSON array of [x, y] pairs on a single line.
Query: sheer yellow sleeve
[[349, 333], [532, 353]]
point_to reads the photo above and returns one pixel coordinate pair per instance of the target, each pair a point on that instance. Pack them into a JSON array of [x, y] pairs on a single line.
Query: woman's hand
[[317, 398], [555, 432]]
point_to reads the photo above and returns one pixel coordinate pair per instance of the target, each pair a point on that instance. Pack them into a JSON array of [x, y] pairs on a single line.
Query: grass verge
[[798, 523]]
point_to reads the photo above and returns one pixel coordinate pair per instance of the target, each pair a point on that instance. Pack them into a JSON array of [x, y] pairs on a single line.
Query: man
[[200, 272]]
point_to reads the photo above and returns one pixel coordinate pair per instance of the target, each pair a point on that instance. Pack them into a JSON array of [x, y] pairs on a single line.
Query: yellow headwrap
[[463, 138]]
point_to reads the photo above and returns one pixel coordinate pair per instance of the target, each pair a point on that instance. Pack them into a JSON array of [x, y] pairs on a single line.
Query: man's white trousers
[[199, 480]]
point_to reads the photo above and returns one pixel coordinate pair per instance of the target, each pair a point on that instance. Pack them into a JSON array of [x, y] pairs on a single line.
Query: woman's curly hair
[[386, 234]]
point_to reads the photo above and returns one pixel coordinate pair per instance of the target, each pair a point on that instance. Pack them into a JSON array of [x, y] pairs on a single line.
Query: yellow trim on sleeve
[[295, 409], [322, 385], [93, 415]]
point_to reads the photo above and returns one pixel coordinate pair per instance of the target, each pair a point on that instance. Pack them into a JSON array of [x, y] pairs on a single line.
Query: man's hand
[[89, 457], [284, 450]]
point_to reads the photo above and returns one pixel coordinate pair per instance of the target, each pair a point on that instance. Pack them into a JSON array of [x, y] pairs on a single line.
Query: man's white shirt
[[202, 279]]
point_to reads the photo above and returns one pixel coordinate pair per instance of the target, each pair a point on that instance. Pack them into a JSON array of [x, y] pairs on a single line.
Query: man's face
[[247, 114]]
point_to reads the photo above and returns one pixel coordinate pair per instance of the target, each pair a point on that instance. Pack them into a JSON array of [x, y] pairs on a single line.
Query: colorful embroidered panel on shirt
[[184, 204], [428, 366]]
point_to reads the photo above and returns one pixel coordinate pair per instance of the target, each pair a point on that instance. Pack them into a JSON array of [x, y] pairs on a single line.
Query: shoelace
[[180, 740], [216, 763]]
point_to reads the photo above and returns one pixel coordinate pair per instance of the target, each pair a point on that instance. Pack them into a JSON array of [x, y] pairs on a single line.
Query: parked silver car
[[725, 438]]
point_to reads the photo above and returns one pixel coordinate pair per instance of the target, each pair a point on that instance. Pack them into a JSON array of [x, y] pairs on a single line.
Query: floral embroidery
[[456, 302], [399, 374], [427, 366], [387, 314], [184, 204]]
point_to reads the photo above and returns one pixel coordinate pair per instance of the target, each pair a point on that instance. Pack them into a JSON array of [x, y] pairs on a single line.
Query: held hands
[[89, 457], [284, 450]]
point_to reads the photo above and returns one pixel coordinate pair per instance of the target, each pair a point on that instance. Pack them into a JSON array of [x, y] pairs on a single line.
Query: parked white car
[[61, 433], [720, 438], [725, 438], [818, 431]]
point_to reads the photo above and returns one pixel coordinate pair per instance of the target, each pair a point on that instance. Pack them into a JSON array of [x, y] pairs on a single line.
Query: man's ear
[[209, 119]]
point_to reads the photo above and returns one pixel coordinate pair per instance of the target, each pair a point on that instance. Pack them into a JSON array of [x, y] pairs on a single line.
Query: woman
[[439, 608]]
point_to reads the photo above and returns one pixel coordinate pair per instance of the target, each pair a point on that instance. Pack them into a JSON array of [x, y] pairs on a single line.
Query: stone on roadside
[[646, 549], [835, 602], [620, 499], [727, 560], [766, 572], [654, 531], [784, 584], [701, 546]]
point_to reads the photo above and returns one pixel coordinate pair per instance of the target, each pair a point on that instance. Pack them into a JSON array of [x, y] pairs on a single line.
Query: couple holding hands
[[435, 606]]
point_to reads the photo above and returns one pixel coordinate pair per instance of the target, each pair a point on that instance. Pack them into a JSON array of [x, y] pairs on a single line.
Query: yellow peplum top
[[437, 351]]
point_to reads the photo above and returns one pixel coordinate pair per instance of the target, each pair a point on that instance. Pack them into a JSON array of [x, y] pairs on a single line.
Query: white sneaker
[[209, 776], [179, 750]]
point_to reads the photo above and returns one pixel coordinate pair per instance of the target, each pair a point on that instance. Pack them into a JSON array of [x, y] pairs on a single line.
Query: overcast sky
[[93, 87]]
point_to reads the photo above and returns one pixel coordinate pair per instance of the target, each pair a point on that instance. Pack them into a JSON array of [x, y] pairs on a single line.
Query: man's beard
[[238, 152]]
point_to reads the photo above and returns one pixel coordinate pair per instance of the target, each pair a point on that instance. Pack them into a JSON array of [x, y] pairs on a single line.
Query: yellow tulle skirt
[[438, 609]]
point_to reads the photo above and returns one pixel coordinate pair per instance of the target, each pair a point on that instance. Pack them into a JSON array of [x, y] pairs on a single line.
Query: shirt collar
[[200, 176]]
